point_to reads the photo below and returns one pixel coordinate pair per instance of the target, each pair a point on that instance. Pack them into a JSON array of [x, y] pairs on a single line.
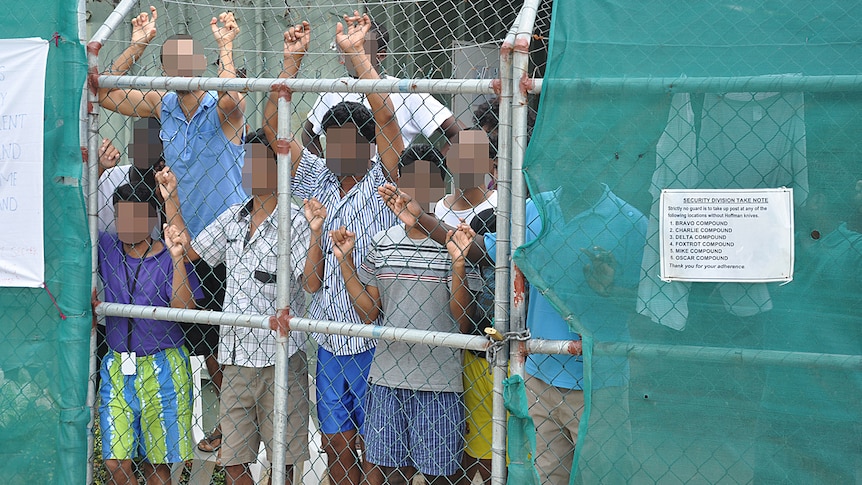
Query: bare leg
[[157, 474], [288, 475], [214, 370], [380, 475], [441, 480], [344, 467], [121, 471], [471, 466], [238, 475]]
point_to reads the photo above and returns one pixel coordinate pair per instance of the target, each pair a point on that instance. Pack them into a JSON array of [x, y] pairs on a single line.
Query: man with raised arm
[[346, 184], [201, 130], [416, 113]]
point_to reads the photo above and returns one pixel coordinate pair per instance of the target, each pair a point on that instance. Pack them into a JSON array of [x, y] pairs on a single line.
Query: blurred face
[[259, 172], [468, 160], [421, 180], [183, 57], [371, 47], [135, 221], [146, 145], [347, 153]]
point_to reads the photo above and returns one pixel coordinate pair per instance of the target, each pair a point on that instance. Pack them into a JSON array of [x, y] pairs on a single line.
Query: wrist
[[292, 61]]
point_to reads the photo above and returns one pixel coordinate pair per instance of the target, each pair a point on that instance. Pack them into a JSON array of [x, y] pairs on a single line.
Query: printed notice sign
[[22, 101], [736, 235]]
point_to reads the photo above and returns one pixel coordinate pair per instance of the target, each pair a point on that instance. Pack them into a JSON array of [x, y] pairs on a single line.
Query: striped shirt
[[251, 279], [361, 211], [413, 277]]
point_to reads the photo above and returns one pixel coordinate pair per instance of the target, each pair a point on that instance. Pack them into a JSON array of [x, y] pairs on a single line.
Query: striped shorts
[[419, 429], [149, 414]]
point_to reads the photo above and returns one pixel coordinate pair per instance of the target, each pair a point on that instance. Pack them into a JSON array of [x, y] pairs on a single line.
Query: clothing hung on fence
[[736, 141]]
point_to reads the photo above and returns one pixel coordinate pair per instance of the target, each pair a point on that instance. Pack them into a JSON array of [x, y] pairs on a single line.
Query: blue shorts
[[419, 429], [341, 384]]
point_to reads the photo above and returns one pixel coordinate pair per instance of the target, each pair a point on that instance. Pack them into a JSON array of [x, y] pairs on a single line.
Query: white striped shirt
[[363, 212], [251, 279]]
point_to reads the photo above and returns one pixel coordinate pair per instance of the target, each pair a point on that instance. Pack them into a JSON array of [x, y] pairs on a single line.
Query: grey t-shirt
[[413, 277]]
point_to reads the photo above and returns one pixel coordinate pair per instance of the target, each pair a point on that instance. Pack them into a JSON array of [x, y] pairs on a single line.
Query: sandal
[[211, 442]]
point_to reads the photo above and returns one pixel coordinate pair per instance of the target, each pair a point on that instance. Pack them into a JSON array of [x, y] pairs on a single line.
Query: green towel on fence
[[521, 434]]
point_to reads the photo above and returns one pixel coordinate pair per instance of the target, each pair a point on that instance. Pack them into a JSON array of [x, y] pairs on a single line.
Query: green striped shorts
[[149, 414]]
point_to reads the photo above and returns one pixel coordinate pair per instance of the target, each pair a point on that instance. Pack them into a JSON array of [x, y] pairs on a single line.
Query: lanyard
[[132, 284]]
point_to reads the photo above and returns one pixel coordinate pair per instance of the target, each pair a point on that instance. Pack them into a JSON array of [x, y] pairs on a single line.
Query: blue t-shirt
[[207, 164], [610, 223]]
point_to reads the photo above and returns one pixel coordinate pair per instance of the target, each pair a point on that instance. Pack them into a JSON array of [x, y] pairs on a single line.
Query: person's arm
[[231, 104], [312, 273], [450, 128], [295, 45], [167, 181], [310, 139], [461, 301], [182, 295], [133, 102], [411, 214], [388, 133], [365, 298], [108, 156]]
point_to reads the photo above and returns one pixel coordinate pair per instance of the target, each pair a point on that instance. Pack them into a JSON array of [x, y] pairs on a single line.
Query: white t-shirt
[[453, 217], [108, 183], [416, 112]]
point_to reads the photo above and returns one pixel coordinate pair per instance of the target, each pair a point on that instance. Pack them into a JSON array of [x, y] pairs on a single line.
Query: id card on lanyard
[[128, 362]]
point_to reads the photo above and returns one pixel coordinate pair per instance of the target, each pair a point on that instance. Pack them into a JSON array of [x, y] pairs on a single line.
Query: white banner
[[22, 101], [733, 235]]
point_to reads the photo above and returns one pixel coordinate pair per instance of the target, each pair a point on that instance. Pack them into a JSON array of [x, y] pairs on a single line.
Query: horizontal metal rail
[[472, 342], [739, 84], [443, 339], [345, 85], [727, 355]]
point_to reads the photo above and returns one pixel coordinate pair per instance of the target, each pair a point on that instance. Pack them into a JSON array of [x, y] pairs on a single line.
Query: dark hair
[[137, 193], [382, 36], [148, 176], [487, 116], [173, 37], [350, 112], [424, 152], [484, 222], [488, 113], [257, 136], [492, 145]]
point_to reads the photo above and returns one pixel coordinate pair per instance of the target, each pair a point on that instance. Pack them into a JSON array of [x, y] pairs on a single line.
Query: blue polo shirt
[[610, 223], [207, 165]]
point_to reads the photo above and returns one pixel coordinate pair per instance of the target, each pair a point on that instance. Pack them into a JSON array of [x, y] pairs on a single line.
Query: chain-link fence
[[386, 399], [713, 379]]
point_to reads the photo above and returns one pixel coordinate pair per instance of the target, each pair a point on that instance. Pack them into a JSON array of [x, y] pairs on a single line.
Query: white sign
[[22, 101], [742, 235]]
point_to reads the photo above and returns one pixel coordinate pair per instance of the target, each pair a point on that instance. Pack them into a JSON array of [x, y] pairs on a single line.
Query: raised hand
[[296, 39], [226, 32], [343, 242], [352, 40], [167, 181], [315, 214], [177, 241], [407, 210], [144, 27], [108, 154], [601, 270], [458, 242]]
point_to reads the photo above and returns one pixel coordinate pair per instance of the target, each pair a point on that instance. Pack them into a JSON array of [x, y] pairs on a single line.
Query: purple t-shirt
[[140, 282]]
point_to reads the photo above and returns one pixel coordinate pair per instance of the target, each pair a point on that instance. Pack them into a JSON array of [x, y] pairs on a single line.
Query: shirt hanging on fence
[[745, 140]]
